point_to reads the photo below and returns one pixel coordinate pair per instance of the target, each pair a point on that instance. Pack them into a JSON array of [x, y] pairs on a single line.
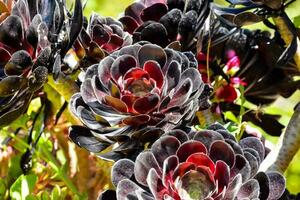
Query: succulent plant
[[162, 22], [207, 164], [100, 37], [249, 58], [23, 66], [134, 93], [241, 13], [31, 38], [265, 79], [256, 59]]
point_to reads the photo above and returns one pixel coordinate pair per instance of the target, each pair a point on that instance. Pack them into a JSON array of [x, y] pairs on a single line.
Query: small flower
[[237, 82], [232, 65], [226, 93]]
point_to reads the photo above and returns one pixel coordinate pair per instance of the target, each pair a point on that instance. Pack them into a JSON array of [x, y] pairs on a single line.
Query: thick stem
[[287, 35], [288, 145]]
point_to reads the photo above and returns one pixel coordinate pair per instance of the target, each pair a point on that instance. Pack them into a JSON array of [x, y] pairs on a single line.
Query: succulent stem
[[287, 34], [287, 146]]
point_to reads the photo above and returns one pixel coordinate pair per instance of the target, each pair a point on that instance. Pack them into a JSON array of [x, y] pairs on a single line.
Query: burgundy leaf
[[219, 150], [121, 65], [222, 174], [129, 24], [146, 104], [154, 71], [201, 159], [144, 163], [189, 148], [164, 147]]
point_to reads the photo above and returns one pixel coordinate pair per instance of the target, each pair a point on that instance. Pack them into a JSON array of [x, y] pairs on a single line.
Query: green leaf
[[56, 193], [14, 167], [2, 188], [45, 196], [64, 192], [31, 197], [297, 21], [23, 186], [230, 116], [34, 106]]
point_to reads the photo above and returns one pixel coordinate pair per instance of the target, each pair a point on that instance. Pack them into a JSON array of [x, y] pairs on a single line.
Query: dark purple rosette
[[98, 38], [207, 164], [162, 22], [258, 52], [249, 58], [134, 94], [24, 54], [33, 37]]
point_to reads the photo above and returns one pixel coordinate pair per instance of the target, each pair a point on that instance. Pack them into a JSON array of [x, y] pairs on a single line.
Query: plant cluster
[[169, 92]]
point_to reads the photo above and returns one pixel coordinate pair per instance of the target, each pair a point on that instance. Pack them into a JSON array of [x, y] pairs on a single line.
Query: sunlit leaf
[[297, 21], [23, 186]]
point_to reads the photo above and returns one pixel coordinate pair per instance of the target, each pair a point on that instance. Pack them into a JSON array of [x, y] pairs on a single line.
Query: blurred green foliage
[[111, 8]]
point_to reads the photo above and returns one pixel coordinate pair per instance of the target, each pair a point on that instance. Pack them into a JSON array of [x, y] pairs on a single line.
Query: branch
[[287, 147]]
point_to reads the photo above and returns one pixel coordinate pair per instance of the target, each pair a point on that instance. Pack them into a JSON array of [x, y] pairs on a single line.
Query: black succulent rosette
[[245, 12], [98, 38], [24, 49], [251, 58], [31, 38], [207, 164], [162, 22], [258, 53], [134, 93]]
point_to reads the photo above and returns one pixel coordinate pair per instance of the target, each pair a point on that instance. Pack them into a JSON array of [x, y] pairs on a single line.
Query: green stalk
[[19, 140]]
